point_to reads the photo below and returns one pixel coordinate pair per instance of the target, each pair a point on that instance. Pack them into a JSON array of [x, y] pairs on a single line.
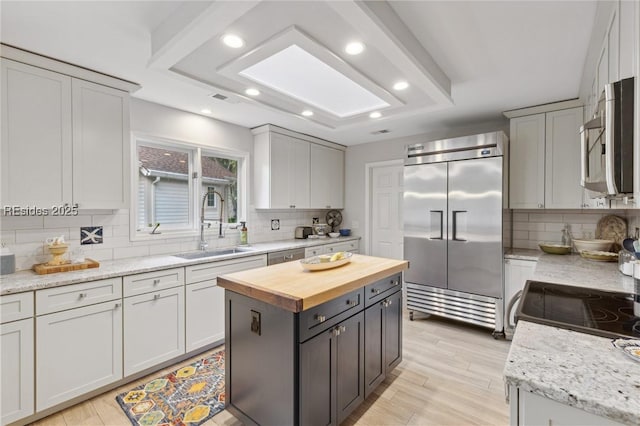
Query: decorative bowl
[[334, 234], [316, 263], [554, 248], [345, 232], [600, 256], [592, 245]]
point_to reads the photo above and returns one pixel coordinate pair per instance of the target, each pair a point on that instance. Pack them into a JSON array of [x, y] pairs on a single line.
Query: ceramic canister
[[7, 261]]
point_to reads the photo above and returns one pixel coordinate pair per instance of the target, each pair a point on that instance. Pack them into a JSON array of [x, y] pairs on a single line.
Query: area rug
[[188, 396]]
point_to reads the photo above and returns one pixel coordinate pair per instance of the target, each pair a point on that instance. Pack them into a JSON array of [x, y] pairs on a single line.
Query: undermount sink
[[212, 253]]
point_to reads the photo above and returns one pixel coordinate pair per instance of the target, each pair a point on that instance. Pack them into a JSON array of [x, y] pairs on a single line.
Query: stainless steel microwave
[[607, 142]]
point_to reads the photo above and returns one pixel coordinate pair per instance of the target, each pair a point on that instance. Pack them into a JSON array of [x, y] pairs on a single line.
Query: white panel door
[[526, 164], [386, 211], [562, 162], [17, 393], [204, 314], [153, 329], [100, 146], [36, 136], [79, 350]]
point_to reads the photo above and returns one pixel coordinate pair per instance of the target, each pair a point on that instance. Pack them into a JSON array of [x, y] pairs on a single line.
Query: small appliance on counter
[[7, 261], [303, 232]]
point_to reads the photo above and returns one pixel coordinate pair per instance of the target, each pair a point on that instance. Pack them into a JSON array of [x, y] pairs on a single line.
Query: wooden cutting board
[[43, 268]]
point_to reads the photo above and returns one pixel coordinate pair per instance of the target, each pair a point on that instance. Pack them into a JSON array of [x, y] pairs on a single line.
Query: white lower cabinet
[[205, 300], [205, 314], [154, 330], [534, 409], [79, 350], [16, 347]]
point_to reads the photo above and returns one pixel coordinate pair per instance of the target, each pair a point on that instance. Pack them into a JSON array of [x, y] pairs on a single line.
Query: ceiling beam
[[385, 30], [191, 25]]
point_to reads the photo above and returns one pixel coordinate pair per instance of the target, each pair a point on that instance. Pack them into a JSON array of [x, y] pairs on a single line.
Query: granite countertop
[[573, 368], [28, 280], [289, 287], [523, 254]]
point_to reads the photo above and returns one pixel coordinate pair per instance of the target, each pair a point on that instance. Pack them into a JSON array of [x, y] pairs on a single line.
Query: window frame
[[195, 153]]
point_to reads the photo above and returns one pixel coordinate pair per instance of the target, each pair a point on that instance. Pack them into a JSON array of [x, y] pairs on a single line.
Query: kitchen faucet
[[203, 242]]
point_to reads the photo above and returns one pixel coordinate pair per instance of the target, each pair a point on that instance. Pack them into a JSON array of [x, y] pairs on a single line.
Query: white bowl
[[593, 245], [334, 234]]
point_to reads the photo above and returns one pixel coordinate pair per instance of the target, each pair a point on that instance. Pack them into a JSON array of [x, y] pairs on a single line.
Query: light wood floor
[[451, 374]]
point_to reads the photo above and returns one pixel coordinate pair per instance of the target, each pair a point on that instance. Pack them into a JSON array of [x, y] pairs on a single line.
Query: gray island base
[[288, 366]]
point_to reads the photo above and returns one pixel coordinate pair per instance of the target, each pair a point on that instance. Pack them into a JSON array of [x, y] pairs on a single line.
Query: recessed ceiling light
[[400, 85], [354, 48], [252, 92], [168, 154], [205, 111], [233, 41], [375, 114], [307, 113], [182, 161]]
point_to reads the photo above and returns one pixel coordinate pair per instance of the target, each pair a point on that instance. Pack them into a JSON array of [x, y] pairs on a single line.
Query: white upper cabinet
[[526, 168], [281, 165], [100, 146], [36, 136], [562, 159], [545, 160], [327, 177], [296, 171], [64, 139]]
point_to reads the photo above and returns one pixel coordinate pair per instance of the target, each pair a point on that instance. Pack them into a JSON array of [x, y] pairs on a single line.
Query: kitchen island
[[308, 347], [561, 376]]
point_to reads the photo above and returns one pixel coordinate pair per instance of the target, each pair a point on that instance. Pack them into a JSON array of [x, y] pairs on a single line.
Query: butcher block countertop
[[288, 286]]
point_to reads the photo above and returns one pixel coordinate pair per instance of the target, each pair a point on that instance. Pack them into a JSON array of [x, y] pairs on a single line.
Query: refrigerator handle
[[454, 217], [441, 224]]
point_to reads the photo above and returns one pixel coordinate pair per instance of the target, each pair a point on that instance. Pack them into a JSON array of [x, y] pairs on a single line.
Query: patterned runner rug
[[188, 396]]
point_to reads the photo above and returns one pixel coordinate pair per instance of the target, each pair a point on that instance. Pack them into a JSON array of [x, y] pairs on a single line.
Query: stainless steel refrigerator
[[454, 228]]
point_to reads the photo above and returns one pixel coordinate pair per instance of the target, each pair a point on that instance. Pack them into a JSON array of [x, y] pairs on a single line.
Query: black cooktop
[[603, 313]]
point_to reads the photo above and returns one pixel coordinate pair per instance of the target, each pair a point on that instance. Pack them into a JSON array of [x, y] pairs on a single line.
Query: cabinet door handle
[[156, 281], [352, 302], [395, 282], [156, 296], [321, 318], [336, 331], [288, 257], [342, 328], [82, 295], [375, 291], [117, 305], [540, 205]]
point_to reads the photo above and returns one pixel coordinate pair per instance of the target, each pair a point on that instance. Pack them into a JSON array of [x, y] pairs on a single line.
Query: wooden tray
[[43, 268]]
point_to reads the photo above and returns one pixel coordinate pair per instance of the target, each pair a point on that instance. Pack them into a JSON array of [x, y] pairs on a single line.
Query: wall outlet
[[355, 224], [90, 235], [275, 224]]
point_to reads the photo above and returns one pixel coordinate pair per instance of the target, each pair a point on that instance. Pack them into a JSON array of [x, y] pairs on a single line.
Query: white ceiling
[[466, 61]]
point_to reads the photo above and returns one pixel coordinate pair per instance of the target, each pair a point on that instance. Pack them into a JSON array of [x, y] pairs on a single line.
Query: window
[[175, 182]]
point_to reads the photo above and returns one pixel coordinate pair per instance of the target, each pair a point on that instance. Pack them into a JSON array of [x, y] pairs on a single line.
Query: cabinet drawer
[[382, 288], [346, 246], [15, 307], [321, 317], [153, 281], [211, 271], [77, 295], [313, 251]]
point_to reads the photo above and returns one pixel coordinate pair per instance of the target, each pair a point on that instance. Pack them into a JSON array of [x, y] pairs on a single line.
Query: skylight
[[297, 73]]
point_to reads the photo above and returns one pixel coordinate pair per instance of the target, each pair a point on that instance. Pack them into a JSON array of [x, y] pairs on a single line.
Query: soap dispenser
[[243, 234]]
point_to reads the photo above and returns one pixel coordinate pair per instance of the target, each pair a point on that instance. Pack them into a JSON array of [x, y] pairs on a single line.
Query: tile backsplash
[[26, 235], [533, 226]]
